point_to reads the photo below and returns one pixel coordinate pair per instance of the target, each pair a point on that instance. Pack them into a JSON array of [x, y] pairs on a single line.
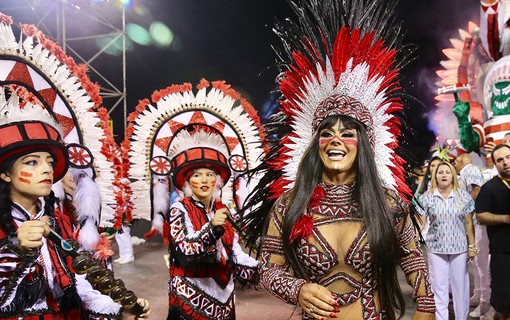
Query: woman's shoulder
[[281, 203]]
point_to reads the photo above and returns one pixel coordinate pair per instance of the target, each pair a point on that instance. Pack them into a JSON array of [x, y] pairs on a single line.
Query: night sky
[[231, 40]]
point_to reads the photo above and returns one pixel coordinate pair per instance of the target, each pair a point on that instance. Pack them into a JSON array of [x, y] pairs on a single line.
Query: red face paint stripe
[[24, 180], [25, 174], [349, 141]]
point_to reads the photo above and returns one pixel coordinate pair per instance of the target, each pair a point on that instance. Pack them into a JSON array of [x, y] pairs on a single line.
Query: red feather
[[317, 195], [302, 228]]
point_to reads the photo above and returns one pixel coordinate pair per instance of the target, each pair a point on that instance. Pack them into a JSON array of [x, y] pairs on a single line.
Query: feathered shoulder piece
[[40, 73], [337, 58], [215, 121]]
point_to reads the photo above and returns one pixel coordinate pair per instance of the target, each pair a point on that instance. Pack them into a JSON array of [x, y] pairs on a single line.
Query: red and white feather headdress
[[42, 74], [337, 58], [215, 110], [342, 59]]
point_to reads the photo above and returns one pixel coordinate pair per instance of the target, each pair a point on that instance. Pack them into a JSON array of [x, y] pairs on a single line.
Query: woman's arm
[[275, 273], [470, 231], [246, 267], [413, 264], [18, 253]]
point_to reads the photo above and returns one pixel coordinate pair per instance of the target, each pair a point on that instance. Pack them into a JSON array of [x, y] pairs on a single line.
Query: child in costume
[[213, 129]]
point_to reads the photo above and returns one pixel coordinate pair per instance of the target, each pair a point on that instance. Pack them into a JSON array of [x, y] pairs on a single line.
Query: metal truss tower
[[92, 32]]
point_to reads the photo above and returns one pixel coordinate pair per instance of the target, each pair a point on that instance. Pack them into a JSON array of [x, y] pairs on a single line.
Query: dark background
[[231, 40]]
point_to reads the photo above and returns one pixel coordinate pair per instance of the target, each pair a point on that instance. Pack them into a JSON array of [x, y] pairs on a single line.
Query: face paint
[[31, 177], [25, 174], [349, 141], [202, 182], [338, 148], [20, 179]]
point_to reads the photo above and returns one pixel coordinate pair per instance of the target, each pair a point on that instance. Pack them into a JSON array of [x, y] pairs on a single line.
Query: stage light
[[112, 44], [161, 34], [138, 34]]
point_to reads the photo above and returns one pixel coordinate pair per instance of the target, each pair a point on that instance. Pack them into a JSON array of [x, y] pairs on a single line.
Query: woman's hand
[[317, 301], [220, 217], [146, 311], [472, 252], [31, 232]]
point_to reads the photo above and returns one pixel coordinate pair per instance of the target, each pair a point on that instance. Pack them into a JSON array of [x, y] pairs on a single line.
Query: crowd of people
[[319, 195], [465, 215]]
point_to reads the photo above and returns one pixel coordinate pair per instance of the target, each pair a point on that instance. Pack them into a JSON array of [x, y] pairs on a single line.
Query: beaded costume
[[202, 284], [348, 275], [30, 287], [340, 62]]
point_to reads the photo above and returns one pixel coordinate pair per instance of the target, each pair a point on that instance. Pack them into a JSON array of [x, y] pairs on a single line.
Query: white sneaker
[[476, 312], [127, 260], [124, 260], [489, 315], [136, 241], [481, 309]]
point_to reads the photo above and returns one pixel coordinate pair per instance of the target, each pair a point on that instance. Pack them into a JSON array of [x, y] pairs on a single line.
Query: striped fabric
[[447, 232]]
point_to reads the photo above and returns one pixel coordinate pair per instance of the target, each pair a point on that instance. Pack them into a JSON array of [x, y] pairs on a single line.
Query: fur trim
[[87, 201]]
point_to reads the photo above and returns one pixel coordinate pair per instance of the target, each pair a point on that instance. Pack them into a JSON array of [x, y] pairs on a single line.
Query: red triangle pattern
[[220, 126], [20, 73], [197, 117], [232, 142], [49, 95], [163, 143], [66, 123], [174, 125]]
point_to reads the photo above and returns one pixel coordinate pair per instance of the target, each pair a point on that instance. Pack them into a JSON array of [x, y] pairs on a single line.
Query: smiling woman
[[329, 219]]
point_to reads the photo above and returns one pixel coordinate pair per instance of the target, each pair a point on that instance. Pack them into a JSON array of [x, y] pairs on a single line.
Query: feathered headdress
[[29, 129], [198, 149], [338, 58], [174, 123], [40, 73]]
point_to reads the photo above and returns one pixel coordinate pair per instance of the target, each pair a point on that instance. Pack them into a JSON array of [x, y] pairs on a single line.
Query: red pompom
[[302, 228]]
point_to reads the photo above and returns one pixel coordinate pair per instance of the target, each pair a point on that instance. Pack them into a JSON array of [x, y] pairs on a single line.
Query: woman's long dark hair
[[373, 208], [6, 220]]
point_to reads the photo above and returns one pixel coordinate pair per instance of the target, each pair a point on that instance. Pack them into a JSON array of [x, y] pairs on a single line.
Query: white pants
[[445, 269], [481, 272], [124, 242]]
